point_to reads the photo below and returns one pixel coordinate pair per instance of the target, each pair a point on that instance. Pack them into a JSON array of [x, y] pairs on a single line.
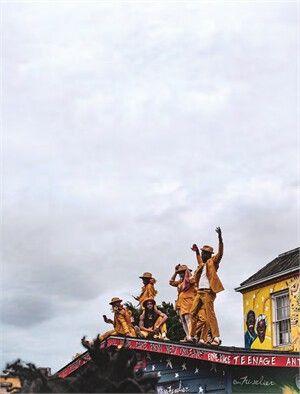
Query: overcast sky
[[131, 130]]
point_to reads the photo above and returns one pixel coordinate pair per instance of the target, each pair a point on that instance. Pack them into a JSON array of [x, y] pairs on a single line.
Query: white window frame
[[276, 321]]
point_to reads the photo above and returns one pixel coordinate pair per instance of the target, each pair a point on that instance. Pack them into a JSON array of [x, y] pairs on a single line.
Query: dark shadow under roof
[[284, 263]]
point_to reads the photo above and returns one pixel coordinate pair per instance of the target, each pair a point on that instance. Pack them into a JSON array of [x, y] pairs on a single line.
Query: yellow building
[[271, 299]]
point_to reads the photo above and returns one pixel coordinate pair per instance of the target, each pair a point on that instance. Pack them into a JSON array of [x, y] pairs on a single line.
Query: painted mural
[[294, 292], [179, 375], [258, 315], [267, 381]]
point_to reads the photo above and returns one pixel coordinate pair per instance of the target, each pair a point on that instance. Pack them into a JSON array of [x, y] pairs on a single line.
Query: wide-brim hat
[[115, 300], [207, 248], [149, 299], [146, 275], [182, 268]]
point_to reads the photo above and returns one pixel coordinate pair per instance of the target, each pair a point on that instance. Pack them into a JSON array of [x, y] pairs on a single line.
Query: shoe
[[216, 341], [183, 340], [164, 337], [202, 342]]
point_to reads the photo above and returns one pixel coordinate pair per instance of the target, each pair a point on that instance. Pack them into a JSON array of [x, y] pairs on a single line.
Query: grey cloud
[[26, 310], [131, 132]]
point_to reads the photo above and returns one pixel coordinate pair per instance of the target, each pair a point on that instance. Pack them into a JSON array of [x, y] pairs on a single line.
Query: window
[[281, 320]]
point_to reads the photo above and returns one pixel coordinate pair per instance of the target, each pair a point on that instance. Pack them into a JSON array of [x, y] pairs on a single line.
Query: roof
[[284, 264]]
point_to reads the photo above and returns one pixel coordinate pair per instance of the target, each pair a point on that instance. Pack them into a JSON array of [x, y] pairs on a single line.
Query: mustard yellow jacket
[[212, 266], [185, 297], [122, 322], [148, 291]]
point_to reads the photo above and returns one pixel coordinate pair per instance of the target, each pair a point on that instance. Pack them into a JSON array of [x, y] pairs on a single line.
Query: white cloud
[[130, 132]]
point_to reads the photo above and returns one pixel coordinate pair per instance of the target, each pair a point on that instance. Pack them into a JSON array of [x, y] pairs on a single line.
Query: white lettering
[[212, 357], [248, 381], [293, 361], [174, 390], [226, 359]]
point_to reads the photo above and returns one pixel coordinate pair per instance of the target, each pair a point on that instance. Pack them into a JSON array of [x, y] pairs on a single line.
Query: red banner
[[215, 356], [246, 358]]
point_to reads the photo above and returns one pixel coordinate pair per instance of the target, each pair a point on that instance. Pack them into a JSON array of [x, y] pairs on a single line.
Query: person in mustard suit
[[148, 290], [186, 294], [208, 285], [122, 321], [152, 321]]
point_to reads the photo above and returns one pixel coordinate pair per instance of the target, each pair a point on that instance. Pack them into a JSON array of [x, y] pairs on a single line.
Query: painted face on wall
[[250, 321], [261, 329]]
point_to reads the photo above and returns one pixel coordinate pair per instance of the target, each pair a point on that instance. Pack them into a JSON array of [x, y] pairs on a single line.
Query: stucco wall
[[259, 301]]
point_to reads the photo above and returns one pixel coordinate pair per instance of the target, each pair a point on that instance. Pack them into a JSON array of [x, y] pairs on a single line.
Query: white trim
[[274, 276], [275, 320]]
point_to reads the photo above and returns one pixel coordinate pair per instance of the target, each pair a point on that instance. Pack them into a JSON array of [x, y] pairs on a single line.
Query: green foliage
[[136, 312], [175, 330]]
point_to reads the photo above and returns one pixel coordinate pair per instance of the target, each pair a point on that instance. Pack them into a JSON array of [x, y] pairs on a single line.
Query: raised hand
[[219, 231], [85, 343], [195, 248], [109, 321]]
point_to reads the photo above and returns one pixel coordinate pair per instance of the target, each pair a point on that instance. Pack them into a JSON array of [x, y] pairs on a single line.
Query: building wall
[[259, 301], [184, 375]]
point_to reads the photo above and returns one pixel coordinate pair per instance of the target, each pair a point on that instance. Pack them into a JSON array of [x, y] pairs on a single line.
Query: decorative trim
[[268, 278], [234, 357]]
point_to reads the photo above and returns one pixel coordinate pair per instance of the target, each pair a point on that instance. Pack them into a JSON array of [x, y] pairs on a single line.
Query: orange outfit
[[148, 291], [205, 297], [212, 265], [122, 325], [185, 297]]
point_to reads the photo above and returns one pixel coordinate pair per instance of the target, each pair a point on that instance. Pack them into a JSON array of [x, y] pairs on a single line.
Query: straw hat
[[115, 300], [147, 300], [146, 275], [183, 267], [207, 248]]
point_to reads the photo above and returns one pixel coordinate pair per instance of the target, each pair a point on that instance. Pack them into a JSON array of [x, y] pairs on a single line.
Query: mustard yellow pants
[[107, 334], [203, 314]]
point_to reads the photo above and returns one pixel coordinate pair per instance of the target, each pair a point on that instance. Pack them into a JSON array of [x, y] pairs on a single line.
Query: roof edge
[[266, 279], [289, 252]]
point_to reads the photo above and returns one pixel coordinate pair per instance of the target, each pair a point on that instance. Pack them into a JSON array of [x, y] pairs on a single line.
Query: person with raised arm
[[208, 285], [186, 293]]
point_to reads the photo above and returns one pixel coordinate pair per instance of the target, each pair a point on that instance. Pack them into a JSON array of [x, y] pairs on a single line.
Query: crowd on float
[[195, 302]]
